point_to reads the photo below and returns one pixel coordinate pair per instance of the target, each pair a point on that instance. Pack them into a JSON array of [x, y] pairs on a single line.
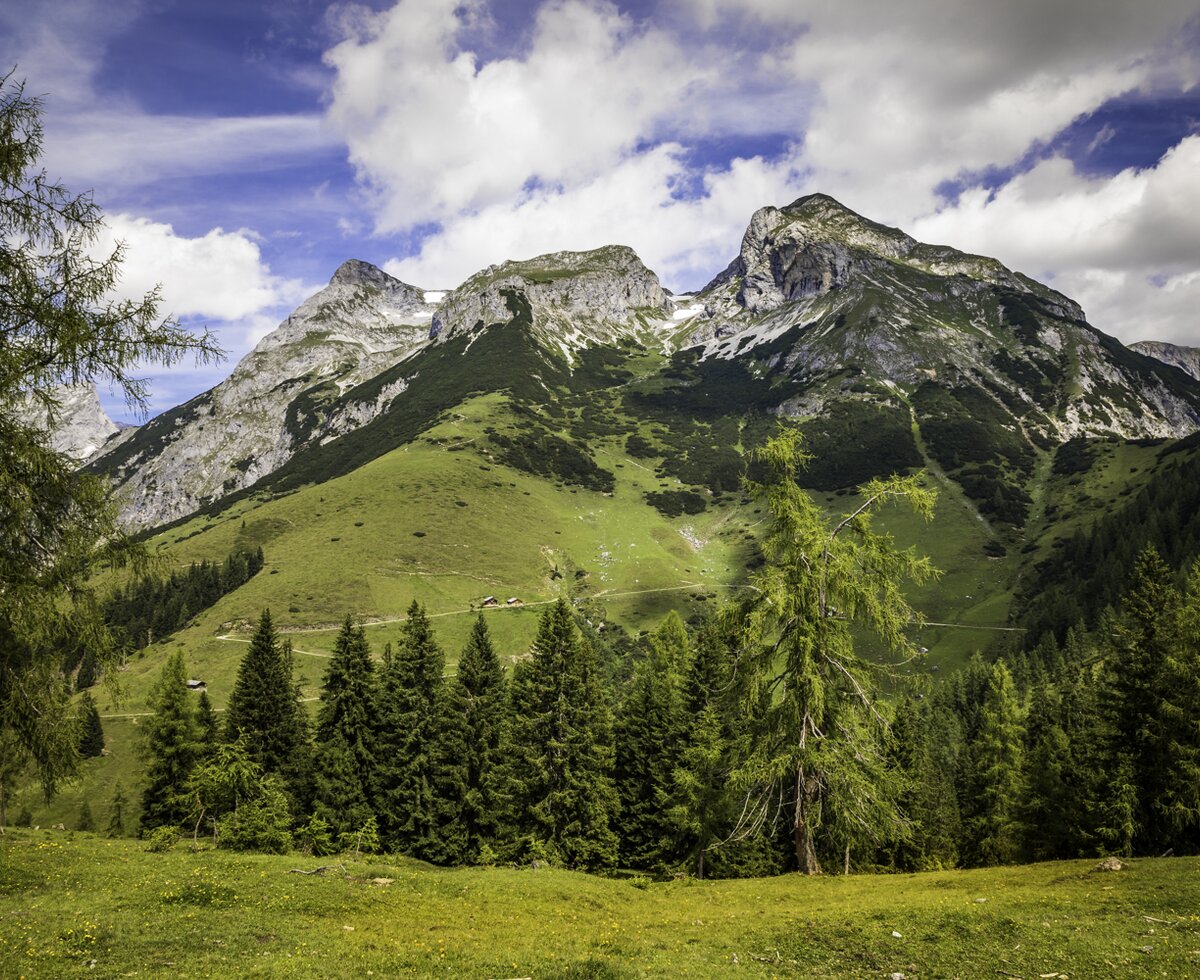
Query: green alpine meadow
[[828, 606]]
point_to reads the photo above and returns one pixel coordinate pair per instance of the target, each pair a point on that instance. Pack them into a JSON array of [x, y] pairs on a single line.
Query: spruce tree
[[347, 707], [1050, 792], [263, 709], [91, 734], [1178, 804], [85, 818], [649, 742], [339, 797], [116, 813], [171, 744], [206, 720], [407, 775], [479, 697], [560, 784], [995, 780]]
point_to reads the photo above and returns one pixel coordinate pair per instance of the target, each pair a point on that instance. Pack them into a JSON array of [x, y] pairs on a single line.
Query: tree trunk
[[846, 863], [700, 864], [806, 854]]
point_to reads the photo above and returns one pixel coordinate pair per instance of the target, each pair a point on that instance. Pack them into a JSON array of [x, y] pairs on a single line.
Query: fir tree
[[409, 714], [1178, 804], [85, 821], [263, 709], [206, 721], [479, 697], [560, 775], [996, 773], [346, 716], [649, 743], [91, 734], [339, 796], [1050, 791], [116, 813], [171, 737]]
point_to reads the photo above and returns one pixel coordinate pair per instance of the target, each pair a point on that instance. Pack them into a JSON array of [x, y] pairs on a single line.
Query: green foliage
[[171, 743], [820, 737], [85, 821], [649, 731], [995, 783], [673, 503], [116, 813], [264, 709], [91, 731], [58, 525], [314, 838], [361, 840], [852, 442], [152, 607], [261, 824], [407, 796], [162, 839], [562, 800], [479, 697]]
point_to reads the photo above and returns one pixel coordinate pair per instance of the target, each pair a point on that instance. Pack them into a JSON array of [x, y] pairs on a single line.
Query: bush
[[365, 840], [259, 825], [314, 838], [162, 839]]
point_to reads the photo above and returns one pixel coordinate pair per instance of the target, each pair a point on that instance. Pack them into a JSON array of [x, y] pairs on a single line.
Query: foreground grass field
[[101, 908]]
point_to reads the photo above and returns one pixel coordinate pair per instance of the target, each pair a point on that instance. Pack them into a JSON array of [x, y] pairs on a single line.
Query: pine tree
[[206, 721], [263, 709], [1178, 804], [479, 697], [996, 757], [85, 821], [821, 738], [1047, 811], [560, 775], [91, 734], [649, 742], [116, 813], [58, 524], [346, 716], [408, 719], [339, 796], [701, 799], [1141, 639], [171, 737]]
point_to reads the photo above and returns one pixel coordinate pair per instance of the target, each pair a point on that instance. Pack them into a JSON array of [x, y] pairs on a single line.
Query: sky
[[242, 149]]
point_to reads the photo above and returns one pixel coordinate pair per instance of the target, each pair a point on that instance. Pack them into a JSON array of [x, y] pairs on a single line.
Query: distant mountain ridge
[[1185, 358], [823, 312]]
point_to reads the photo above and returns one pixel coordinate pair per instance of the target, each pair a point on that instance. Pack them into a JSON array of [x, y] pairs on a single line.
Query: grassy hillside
[[86, 906]]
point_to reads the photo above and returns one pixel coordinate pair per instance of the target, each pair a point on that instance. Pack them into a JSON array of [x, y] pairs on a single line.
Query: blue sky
[[242, 150]]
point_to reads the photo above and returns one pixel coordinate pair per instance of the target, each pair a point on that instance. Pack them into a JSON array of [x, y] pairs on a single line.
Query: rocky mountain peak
[[77, 425], [1187, 359], [591, 294]]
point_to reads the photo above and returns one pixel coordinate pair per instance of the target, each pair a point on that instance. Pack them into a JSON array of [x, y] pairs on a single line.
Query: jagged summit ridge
[[573, 297]]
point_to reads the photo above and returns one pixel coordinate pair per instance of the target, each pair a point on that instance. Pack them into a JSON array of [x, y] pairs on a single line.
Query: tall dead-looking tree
[[820, 732], [57, 326]]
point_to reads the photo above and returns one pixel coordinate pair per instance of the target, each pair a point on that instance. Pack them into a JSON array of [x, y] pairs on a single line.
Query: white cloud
[[1126, 247], [437, 133], [581, 137], [220, 275]]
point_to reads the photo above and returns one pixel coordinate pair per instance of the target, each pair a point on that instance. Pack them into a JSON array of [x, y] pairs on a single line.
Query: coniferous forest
[[755, 742]]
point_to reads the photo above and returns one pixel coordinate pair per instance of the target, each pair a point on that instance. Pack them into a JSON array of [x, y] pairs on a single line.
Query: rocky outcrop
[[78, 426], [273, 403], [1185, 358], [832, 305], [572, 299]]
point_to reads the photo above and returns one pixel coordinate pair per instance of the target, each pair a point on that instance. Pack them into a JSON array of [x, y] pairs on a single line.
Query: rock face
[[1185, 358], [573, 299], [273, 403], [838, 305], [78, 427]]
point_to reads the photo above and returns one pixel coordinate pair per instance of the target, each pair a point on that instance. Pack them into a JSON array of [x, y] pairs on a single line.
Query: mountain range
[[913, 351]]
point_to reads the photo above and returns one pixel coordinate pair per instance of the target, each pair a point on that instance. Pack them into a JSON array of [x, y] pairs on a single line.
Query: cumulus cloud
[[438, 132], [220, 275], [1126, 247], [586, 132]]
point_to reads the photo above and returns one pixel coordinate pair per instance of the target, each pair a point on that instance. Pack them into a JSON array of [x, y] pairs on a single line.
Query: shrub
[[162, 839]]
